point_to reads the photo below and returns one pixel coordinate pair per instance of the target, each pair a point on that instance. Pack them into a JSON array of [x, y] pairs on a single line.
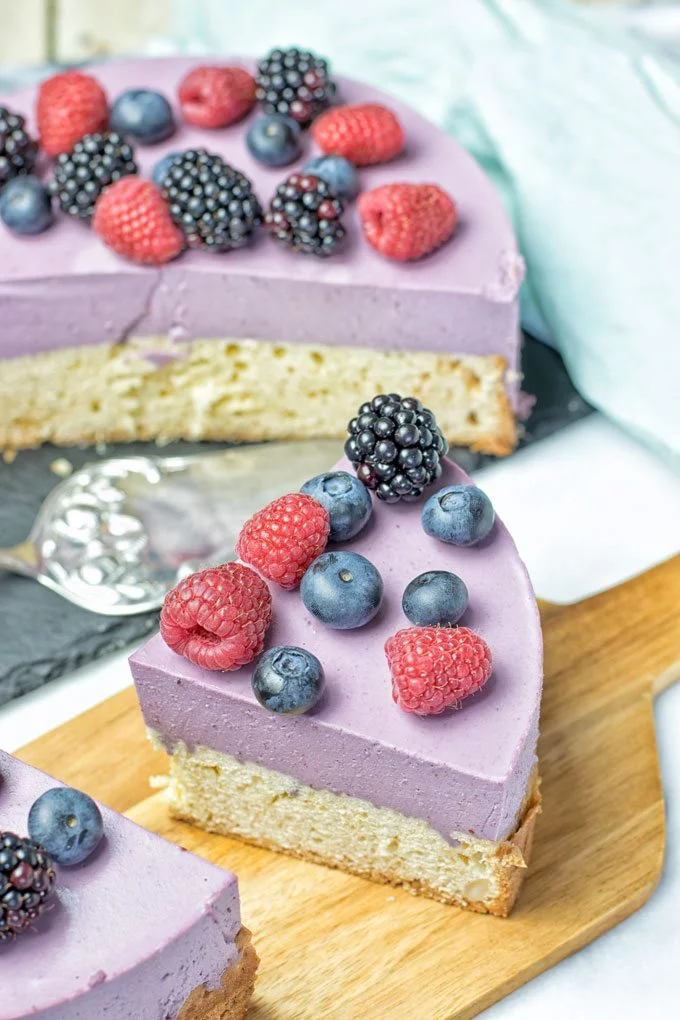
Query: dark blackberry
[[27, 878], [294, 82], [213, 203], [396, 447], [94, 162], [304, 214], [17, 149]]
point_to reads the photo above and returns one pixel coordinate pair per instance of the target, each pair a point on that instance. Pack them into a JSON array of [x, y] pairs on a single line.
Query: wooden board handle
[[625, 638]]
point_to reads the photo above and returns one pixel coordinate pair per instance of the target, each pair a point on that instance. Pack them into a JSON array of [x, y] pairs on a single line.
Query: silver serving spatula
[[118, 534]]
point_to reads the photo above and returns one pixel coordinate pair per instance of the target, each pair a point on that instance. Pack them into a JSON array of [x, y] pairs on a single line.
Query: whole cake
[[101, 919], [263, 341], [274, 704]]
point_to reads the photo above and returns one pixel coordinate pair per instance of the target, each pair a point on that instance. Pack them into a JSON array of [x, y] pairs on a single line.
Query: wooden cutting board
[[334, 946]]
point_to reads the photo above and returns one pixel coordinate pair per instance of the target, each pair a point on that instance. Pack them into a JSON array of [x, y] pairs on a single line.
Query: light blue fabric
[[579, 125]]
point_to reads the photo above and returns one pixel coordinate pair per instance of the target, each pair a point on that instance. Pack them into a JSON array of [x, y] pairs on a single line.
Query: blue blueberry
[[436, 598], [274, 140], [459, 514], [67, 823], [288, 680], [160, 171], [347, 500], [142, 114], [337, 172], [342, 589], [26, 206]]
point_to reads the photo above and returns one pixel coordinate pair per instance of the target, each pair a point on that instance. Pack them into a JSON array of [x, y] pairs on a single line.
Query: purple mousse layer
[[463, 771], [133, 931], [64, 288]]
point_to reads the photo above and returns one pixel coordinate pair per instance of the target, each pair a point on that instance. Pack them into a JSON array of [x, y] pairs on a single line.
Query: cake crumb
[[391, 899], [9, 456], [61, 467]]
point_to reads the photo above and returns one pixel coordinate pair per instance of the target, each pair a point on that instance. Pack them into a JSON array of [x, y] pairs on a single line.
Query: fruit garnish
[[459, 514], [342, 589], [132, 219], [69, 106], [288, 680], [215, 97], [436, 668], [283, 538], [294, 82], [304, 215], [365, 134], [405, 222], [436, 598]]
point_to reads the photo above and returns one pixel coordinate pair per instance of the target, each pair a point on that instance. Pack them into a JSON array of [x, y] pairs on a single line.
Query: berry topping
[[67, 823], [274, 140], [69, 106], [132, 219], [144, 115], [288, 680], [348, 502], [436, 598], [396, 447], [342, 589], [283, 538], [407, 221], [213, 204], [84, 173], [214, 97], [160, 170], [295, 83], [26, 206], [27, 879], [17, 149], [459, 515], [305, 216], [435, 668], [364, 134], [338, 173], [218, 618]]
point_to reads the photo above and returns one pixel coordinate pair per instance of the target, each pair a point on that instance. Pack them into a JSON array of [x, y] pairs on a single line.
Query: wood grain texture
[[85, 30], [339, 947]]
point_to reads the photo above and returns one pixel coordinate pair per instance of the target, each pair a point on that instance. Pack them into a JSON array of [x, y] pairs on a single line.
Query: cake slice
[[444, 804], [260, 342], [139, 930]]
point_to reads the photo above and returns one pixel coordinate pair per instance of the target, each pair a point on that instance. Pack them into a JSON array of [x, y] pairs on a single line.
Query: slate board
[[43, 636]]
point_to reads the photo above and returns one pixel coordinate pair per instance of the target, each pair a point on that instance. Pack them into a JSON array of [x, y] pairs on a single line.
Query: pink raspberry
[[218, 618], [435, 668], [284, 538]]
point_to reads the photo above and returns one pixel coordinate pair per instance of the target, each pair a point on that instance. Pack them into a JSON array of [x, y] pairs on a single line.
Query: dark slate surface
[[43, 635]]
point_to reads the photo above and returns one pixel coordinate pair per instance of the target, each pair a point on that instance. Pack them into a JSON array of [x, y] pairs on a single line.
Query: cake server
[[118, 534]]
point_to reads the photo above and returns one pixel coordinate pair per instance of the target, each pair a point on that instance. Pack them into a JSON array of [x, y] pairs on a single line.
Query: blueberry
[[67, 823], [337, 172], [342, 589], [142, 114], [26, 206], [274, 140], [159, 172], [436, 598], [348, 502], [459, 514], [288, 680]]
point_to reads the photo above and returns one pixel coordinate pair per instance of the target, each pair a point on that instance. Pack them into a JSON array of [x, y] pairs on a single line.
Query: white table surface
[[588, 508]]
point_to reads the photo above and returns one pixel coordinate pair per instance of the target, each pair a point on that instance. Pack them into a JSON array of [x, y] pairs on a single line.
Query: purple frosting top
[[462, 771], [65, 287], [132, 931]]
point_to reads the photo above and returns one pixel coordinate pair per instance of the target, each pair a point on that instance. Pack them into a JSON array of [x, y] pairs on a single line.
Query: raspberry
[[406, 221], [213, 97], [284, 538], [132, 218], [69, 106], [434, 668], [364, 134], [218, 618]]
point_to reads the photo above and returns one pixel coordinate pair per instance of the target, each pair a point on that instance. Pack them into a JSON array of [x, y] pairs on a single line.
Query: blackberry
[[27, 878], [396, 447], [81, 175], [294, 82], [17, 149], [213, 203], [305, 215]]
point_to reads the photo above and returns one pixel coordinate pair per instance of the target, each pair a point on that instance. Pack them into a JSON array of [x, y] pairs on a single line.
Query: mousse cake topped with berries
[[196, 304], [400, 685], [101, 919]]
